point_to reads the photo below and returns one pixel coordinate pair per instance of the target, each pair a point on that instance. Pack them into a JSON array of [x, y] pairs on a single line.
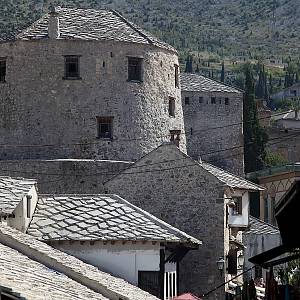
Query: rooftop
[[198, 83], [258, 226], [12, 191], [92, 25], [37, 271], [231, 180], [99, 217]]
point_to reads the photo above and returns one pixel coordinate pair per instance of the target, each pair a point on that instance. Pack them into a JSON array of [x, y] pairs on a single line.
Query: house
[[259, 237], [18, 198], [200, 199], [276, 182], [213, 119], [105, 89], [108, 232], [33, 270], [288, 93]]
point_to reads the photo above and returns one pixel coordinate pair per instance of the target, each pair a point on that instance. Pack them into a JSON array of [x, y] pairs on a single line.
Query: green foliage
[[273, 159], [255, 137]]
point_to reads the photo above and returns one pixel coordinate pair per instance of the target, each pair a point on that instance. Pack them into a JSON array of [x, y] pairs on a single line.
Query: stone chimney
[[53, 25]]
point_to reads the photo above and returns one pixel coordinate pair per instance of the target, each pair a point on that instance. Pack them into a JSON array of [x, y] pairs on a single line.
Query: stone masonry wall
[[214, 132], [173, 187], [49, 117], [65, 176]]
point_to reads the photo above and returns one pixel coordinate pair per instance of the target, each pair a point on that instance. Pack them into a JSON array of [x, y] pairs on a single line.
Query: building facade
[[213, 117], [197, 198], [87, 84]]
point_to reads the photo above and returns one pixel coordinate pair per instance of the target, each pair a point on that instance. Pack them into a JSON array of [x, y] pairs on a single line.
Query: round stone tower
[[87, 84]]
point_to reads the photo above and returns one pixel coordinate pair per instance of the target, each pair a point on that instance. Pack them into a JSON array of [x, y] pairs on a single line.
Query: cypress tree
[[223, 73], [254, 135], [260, 86]]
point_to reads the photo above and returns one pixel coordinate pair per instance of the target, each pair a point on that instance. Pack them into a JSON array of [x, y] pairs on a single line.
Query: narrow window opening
[[72, 67], [172, 107], [2, 70], [191, 131], [200, 100], [226, 101], [213, 100], [111, 54], [220, 101], [103, 64], [187, 100], [175, 137], [135, 69], [105, 127], [176, 76], [237, 209], [28, 206]]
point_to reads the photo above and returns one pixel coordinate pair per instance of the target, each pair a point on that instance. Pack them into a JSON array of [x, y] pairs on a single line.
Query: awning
[[268, 258]]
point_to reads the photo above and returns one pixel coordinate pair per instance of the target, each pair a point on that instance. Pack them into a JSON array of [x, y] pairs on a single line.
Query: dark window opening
[[135, 69], [191, 131], [226, 101], [258, 272], [187, 100], [2, 70], [105, 126], [213, 100], [238, 207], [220, 101], [200, 99], [28, 205], [232, 262], [103, 64], [176, 76], [149, 282], [72, 67], [175, 137], [171, 107]]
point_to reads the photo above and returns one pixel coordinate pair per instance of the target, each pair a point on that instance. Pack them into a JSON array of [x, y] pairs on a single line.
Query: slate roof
[[198, 83], [231, 180], [12, 191], [257, 226], [99, 217], [24, 268], [92, 25]]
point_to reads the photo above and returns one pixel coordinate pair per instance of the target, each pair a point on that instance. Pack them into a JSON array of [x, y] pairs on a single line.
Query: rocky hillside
[[226, 27]]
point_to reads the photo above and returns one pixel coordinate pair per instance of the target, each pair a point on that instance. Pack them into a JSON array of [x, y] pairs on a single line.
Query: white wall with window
[[239, 213]]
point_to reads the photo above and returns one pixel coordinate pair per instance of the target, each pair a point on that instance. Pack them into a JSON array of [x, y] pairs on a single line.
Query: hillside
[[239, 28]]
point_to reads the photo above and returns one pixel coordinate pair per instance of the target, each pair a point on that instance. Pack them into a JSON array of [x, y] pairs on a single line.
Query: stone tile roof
[[90, 24], [12, 191], [99, 217], [231, 180], [38, 271], [198, 83], [257, 226]]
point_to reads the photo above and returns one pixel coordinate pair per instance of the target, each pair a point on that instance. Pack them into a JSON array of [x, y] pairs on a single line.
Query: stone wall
[[176, 189], [49, 117], [65, 176], [214, 132]]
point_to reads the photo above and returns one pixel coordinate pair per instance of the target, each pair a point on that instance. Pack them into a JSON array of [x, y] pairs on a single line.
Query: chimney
[[53, 25]]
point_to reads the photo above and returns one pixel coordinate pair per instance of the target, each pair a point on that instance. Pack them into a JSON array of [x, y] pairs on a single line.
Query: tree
[[189, 64], [223, 73], [255, 137]]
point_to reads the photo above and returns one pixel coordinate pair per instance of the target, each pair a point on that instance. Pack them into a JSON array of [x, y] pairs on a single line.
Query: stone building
[[83, 83], [213, 117], [197, 198]]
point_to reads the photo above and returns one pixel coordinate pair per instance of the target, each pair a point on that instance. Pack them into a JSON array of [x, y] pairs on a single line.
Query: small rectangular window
[[72, 67], [226, 101], [238, 207], [172, 107], [28, 205], [200, 100], [213, 100], [2, 70], [105, 127], [187, 100], [135, 69], [176, 76], [175, 137]]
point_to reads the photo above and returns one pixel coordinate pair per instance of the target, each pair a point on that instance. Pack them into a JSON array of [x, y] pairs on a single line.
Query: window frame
[[172, 107], [186, 100], [201, 100], [3, 77], [213, 100], [140, 64], [226, 102], [176, 76], [68, 76], [107, 121]]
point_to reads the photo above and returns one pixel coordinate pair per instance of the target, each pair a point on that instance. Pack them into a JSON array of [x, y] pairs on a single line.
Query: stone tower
[[85, 83], [213, 118]]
